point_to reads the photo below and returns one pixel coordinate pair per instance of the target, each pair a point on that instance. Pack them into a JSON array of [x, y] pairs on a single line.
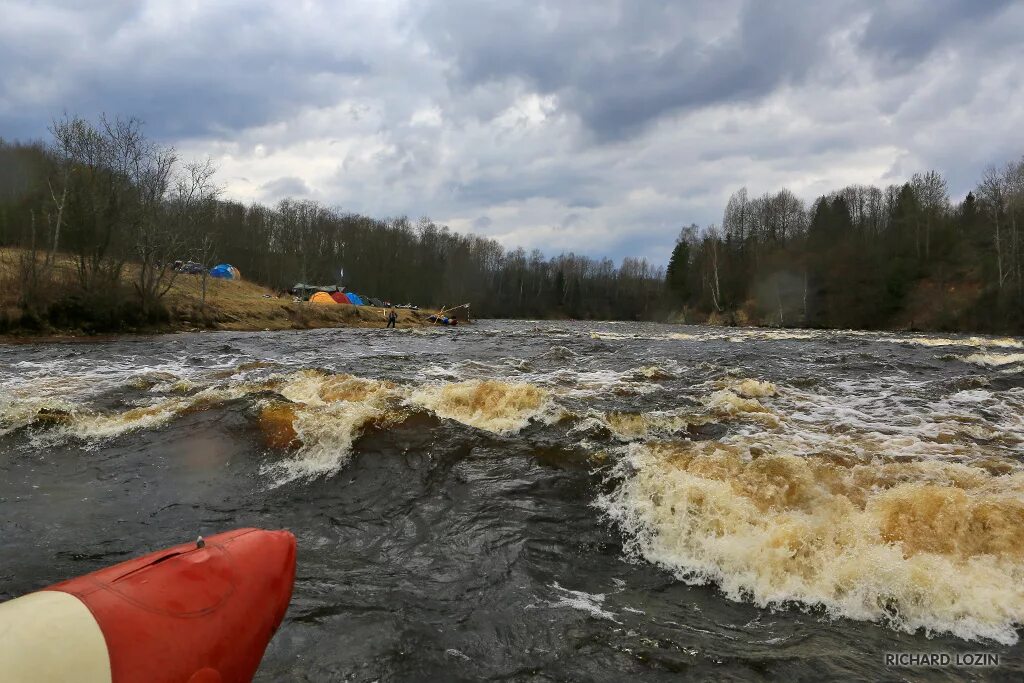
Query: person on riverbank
[[392, 318]]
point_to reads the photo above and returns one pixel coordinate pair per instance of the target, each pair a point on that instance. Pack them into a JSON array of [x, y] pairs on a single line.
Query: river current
[[550, 501]]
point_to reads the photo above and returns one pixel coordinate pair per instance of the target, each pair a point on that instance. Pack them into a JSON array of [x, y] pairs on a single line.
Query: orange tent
[[322, 298]]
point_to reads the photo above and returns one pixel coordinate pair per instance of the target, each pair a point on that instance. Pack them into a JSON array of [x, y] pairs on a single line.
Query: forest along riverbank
[[565, 499]]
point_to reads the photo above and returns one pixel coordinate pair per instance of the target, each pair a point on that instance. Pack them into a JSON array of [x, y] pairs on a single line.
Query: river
[[550, 500]]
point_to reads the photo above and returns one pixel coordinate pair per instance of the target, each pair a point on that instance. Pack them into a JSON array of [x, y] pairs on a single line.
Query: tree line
[[122, 208], [903, 256], [125, 208]]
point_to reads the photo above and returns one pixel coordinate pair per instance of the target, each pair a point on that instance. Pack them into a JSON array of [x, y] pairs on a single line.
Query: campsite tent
[[225, 271], [339, 297], [356, 299], [321, 298]]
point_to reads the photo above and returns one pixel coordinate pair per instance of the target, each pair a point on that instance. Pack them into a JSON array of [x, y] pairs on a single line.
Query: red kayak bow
[[196, 613]]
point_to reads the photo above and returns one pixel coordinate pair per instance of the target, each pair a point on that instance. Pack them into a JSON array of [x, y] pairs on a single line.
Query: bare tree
[[712, 244], [156, 239], [33, 276], [736, 221], [933, 195], [1013, 181], [192, 206], [95, 177], [992, 197]]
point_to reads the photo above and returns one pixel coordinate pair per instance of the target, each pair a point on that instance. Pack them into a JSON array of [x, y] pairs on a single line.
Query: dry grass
[[242, 305], [10, 285], [230, 304]]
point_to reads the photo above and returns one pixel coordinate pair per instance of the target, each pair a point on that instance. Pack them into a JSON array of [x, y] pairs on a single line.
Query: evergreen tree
[[677, 275]]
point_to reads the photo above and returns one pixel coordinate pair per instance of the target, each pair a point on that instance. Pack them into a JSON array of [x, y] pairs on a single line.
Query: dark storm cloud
[[502, 187], [280, 188], [622, 65], [767, 49], [228, 66], [906, 32]]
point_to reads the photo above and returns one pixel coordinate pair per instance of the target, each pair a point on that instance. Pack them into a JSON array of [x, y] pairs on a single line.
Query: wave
[[737, 400], [318, 416], [1003, 342], [324, 436], [650, 372], [153, 379], [729, 334], [491, 405], [740, 398], [927, 545], [317, 388], [728, 403], [323, 417], [65, 419], [614, 336], [90, 426], [994, 360], [558, 353], [17, 412], [750, 388], [639, 426]]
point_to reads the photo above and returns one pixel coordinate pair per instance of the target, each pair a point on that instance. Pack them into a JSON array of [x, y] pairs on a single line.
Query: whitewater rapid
[[869, 477]]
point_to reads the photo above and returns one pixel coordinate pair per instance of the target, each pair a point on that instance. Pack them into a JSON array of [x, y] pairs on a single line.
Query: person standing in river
[[392, 318]]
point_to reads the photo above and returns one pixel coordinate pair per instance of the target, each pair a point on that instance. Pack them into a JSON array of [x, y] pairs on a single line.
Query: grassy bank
[[241, 305], [230, 305]]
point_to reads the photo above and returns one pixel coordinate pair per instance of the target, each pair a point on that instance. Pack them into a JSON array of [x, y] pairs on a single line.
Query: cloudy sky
[[587, 125]]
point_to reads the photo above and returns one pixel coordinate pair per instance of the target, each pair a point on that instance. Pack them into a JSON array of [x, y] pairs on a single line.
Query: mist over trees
[[123, 208]]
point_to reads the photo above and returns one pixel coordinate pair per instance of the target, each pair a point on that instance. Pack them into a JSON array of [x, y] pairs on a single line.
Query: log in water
[[548, 501]]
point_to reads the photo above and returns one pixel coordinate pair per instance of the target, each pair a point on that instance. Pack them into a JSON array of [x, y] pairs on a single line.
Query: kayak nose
[[200, 611], [263, 565], [279, 549]]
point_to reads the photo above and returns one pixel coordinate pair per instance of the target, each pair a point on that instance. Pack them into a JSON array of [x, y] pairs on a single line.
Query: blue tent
[[356, 299], [225, 271]]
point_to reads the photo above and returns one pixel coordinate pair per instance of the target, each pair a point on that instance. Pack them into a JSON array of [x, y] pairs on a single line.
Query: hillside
[[242, 305], [230, 305]]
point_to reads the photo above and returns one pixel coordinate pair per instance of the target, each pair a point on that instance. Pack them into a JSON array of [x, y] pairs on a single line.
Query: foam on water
[[87, 425], [728, 403], [995, 359], [17, 412], [869, 507], [591, 603], [491, 405], [325, 435], [752, 388], [984, 342], [651, 372], [324, 417]]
